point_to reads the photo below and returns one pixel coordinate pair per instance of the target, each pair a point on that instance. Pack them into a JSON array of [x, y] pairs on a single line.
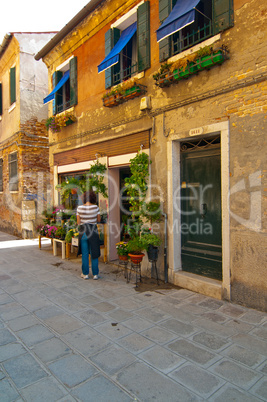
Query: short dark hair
[[89, 196]]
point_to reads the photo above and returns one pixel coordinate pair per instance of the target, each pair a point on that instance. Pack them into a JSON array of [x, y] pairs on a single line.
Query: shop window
[[127, 46], [185, 24], [1, 174], [13, 171], [12, 83]]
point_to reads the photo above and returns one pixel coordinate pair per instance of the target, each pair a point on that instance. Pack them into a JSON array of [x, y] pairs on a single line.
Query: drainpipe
[[165, 248]]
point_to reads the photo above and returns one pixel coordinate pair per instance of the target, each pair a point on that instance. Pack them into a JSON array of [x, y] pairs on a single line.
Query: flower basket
[[112, 100], [136, 258]]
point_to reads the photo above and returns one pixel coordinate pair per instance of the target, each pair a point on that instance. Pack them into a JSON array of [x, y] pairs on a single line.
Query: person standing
[[87, 217]]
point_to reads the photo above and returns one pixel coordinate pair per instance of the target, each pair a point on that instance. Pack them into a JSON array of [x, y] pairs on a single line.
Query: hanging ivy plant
[[96, 178]]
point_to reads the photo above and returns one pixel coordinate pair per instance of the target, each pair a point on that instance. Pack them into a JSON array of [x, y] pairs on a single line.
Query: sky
[[35, 16]]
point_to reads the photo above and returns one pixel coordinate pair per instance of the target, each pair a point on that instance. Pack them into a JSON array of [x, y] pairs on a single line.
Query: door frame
[[174, 218]]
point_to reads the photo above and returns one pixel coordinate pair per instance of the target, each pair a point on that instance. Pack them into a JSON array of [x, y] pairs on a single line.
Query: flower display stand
[[40, 237]]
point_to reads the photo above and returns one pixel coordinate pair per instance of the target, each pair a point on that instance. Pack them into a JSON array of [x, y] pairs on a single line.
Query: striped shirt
[[88, 213]]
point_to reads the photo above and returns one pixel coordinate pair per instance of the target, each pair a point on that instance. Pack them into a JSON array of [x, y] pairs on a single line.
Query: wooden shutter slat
[[73, 81], [223, 15], [143, 36]]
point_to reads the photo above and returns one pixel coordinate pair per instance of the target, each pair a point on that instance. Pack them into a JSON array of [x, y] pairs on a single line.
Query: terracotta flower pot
[[136, 258], [123, 257]]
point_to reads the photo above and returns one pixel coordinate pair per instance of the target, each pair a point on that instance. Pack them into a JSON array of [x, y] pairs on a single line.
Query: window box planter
[[124, 95], [209, 61]]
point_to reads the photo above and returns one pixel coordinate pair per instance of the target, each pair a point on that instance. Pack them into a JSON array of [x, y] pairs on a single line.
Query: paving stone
[[148, 385], [23, 322], [51, 350], [6, 337], [159, 335], [152, 314], [113, 359], [251, 343], [190, 351], [211, 304], [260, 332], [135, 343], [239, 326], [87, 341], [209, 340], [72, 370], [120, 315], [26, 299], [138, 324], [64, 323], [15, 313], [218, 329], [109, 391], [24, 370], [253, 317], [10, 350], [106, 294], [161, 359], [179, 327], [231, 310], [198, 380], [114, 330], [74, 291], [215, 317], [35, 334], [229, 393], [90, 299], [7, 392], [235, 373], [263, 367], [5, 298], [43, 391], [91, 317], [260, 389], [68, 303], [104, 307], [244, 356], [48, 312]]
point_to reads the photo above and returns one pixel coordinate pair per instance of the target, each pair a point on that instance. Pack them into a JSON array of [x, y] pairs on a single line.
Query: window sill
[[69, 110], [194, 49], [12, 107]]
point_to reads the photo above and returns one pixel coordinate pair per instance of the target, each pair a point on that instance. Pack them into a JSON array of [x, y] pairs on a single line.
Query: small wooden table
[[63, 247], [45, 237]]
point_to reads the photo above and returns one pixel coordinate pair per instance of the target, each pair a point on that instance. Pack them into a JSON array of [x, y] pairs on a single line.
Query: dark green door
[[201, 211]]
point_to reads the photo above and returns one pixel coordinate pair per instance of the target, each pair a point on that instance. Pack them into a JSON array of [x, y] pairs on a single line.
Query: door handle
[[203, 210]]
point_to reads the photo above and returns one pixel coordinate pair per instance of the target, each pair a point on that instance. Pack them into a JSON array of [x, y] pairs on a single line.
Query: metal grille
[[181, 43], [200, 143]]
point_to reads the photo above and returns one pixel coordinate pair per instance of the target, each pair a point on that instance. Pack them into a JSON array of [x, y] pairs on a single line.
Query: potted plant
[[122, 250], [135, 249], [151, 243], [68, 186], [96, 178]]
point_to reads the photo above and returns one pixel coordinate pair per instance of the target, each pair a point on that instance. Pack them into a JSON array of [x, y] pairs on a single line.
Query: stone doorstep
[[206, 286]]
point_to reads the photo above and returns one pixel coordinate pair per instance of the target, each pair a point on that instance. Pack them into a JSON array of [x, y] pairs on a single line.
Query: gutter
[[86, 10]]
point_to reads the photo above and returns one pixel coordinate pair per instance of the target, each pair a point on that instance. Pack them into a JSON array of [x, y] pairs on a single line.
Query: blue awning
[[182, 14], [113, 56], [64, 79]]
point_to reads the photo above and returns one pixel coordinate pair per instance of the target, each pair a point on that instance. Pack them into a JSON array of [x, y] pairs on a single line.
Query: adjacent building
[[186, 83], [24, 167]]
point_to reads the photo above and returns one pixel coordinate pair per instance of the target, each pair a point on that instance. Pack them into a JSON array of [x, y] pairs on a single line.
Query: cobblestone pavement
[[67, 339]]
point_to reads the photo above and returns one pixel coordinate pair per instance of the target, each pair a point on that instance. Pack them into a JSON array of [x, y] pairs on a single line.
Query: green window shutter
[[1, 101], [223, 15], [73, 82], [108, 47], [165, 7], [111, 38], [143, 36], [12, 85], [58, 96]]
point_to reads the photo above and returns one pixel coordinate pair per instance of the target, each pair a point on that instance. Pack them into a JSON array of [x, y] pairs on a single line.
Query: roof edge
[[68, 28]]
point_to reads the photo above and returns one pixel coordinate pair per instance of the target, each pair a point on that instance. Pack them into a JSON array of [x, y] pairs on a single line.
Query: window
[[127, 46], [13, 171], [1, 174], [1, 100], [64, 94], [183, 25], [12, 83]]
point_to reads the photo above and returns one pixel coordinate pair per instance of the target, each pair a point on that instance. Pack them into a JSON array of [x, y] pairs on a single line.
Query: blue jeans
[[86, 250]]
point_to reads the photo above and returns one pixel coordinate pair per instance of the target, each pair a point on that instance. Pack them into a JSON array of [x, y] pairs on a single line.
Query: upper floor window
[[186, 23], [1, 100], [12, 85], [64, 94], [127, 46], [13, 171], [1, 174]]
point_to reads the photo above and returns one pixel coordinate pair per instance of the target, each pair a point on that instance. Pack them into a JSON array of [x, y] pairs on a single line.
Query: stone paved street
[[67, 339]]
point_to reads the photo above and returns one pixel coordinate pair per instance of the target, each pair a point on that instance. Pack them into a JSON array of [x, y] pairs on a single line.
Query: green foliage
[[122, 248], [96, 178], [151, 211], [136, 245], [150, 239], [70, 185]]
